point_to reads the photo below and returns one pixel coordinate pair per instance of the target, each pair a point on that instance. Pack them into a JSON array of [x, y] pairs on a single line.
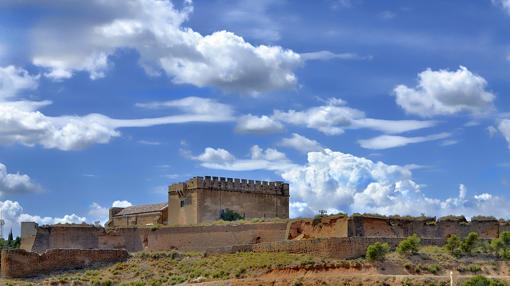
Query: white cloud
[[301, 143], [65, 44], [327, 55], [336, 181], [255, 124], [260, 159], [392, 141], [21, 122], [13, 214], [335, 117], [13, 80], [15, 183], [194, 105], [504, 4], [492, 131], [504, 128], [445, 92], [212, 155], [121, 204]]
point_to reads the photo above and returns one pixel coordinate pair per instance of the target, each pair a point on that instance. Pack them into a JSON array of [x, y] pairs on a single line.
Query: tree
[[409, 246], [10, 240], [377, 251], [453, 245]]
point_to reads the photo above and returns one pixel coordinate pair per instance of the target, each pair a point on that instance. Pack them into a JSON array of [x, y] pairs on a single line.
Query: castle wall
[[200, 238], [20, 263], [334, 247], [182, 215], [248, 204], [202, 199], [330, 226], [186, 238]]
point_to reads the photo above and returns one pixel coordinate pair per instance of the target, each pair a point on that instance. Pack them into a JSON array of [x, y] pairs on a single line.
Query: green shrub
[[482, 281], [501, 245], [409, 246], [377, 251], [453, 245], [230, 215], [469, 244]]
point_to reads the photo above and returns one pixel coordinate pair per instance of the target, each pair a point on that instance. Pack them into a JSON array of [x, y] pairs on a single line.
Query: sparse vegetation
[[482, 281], [501, 245], [377, 251]]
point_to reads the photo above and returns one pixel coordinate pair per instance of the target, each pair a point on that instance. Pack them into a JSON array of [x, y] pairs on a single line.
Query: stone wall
[[329, 226], [248, 204], [134, 239], [335, 247], [20, 263]]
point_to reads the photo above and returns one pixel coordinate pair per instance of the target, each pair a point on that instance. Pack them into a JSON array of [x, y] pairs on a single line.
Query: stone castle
[[186, 223], [203, 199]]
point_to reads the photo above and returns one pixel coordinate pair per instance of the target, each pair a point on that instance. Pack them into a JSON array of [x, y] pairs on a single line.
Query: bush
[[470, 243], [501, 245], [409, 246], [482, 281], [453, 245], [230, 215], [377, 251]]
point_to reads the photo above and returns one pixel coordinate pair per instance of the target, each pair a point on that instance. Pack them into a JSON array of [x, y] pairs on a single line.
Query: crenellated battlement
[[231, 184]]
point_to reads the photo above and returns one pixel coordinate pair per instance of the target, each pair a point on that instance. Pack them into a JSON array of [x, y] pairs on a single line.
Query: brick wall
[[20, 263]]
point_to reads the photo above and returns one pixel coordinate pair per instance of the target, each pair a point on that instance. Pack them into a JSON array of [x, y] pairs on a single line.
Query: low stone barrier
[[335, 247], [20, 263]]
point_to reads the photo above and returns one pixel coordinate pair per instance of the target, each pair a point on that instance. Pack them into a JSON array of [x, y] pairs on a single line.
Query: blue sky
[[393, 107]]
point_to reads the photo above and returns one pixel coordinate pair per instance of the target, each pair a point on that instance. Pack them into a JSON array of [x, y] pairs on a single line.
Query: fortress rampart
[[232, 184]]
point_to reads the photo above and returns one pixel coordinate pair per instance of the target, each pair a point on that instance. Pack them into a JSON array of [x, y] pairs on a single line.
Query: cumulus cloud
[[13, 214], [259, 159], [14, 80], [504, 128], [445, 92], [258, 124], [121, 204], [337, 181], [392, 141], [301, 143], [15, 183], [334, 117], [82, 37]]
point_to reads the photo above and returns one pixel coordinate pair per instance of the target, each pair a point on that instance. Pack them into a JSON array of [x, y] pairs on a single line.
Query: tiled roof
[[141, 209]]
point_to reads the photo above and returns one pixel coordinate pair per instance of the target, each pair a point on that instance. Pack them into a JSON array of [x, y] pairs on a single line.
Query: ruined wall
[[248, 204], [369, 226], [329, 226], [20, 263]]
